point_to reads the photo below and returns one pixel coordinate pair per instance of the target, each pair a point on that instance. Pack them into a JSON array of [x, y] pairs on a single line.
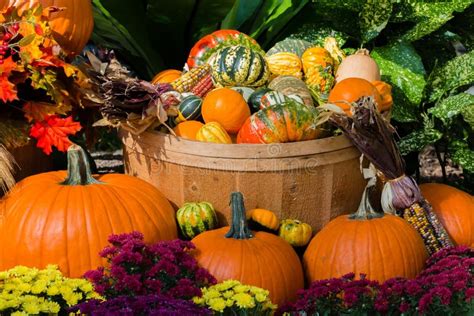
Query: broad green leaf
[[468, 115], [417, 140], [316, 35], [401, 66], [27, 40], [127, 37], [269, 12], [453, 106], [428, 15], [207, 17], [463, 156], [240, 13], [374, 17], [454, 74]]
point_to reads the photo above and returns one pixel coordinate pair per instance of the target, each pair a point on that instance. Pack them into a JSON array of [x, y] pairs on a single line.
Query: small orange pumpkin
[[264, 217], [227, 107], [350, 90], [255, 258], [188, 129], [385, 91], [166, 76], [455, 210], [381, 246], [65, 218]]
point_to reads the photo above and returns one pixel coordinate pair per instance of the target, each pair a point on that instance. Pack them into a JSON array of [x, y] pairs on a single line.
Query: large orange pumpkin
[[255, 258], [227, 107], [166, 76], [381, 246], [455, 210], [188, 129], [72, 24], [65, 218], [350, 90]]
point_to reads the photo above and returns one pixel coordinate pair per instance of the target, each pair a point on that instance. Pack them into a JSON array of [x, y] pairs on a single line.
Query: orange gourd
[[166, 76], [381, 246], [264, 217], [227, 107], [455, 210], [385, 91], [72, 25], [350, 90], [316, 56], [255, 258], [188, 129], [65, 218]]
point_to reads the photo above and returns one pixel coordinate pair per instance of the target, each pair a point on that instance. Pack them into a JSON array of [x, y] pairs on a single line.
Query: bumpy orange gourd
[[316, 56], [455, 210], [227, 107], [188, 129], [264, 217], [381, 246], [72, 25], [350, 90], [385, 91], [50, 220], [213, 132], [255, 258], [166, 76]]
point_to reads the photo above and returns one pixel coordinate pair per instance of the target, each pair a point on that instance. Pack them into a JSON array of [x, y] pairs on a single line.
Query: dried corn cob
[[203, 86], [188, 80]]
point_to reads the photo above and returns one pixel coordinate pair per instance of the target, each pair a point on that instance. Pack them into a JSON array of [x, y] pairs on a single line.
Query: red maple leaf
[[7, 90], [54, 131]]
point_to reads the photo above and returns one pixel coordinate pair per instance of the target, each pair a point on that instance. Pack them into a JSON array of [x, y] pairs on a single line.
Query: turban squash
[[72, 25], [65, 218], [255, 258]]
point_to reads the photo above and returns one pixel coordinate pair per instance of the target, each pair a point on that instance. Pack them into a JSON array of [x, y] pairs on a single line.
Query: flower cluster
[[445, 286], [135, 268], [36, 81], [233, 298], [29, 291], [143, 305]]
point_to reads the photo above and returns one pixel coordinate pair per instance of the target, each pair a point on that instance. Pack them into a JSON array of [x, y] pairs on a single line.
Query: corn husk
[[373, 136], [7, 164]]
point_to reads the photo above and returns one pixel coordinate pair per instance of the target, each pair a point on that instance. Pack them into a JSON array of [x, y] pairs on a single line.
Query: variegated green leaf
[[468, 115], [374, 17], [454, 74], [417, 140], [401, 66], [452, 106], [428, 15], [464, 157], [316, 35]]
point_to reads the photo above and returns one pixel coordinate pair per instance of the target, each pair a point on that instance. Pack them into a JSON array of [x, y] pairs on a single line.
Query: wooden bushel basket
[[313, 181]]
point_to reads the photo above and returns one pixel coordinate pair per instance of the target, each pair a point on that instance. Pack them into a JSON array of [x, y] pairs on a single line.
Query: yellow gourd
[[213, 132], [284, 63], [295, 232]]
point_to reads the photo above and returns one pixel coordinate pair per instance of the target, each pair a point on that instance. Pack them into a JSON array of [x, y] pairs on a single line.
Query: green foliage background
[[424, 49]]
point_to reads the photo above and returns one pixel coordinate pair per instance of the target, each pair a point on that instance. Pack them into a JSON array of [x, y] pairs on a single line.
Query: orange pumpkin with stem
[[188, 129], [65, 218], [352, 89], [166, 76], [227, 107], [381, 246], [72, 24], [455, 210], [255, 258]]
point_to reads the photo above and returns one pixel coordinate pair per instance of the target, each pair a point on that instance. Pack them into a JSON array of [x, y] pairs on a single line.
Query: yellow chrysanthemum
[[211, 293], [53, 307], [241, 288], [39, 286], [52, 290], [228, 294], [19, 314], [229, 302], [244, 300], [24, 287], [260, 297], [198, 300], [31, 308], [217, 304]]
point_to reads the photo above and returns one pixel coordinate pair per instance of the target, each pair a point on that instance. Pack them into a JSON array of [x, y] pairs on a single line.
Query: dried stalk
[[7, 164]]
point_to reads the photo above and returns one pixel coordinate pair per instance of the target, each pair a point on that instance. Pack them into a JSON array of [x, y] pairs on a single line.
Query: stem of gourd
[[238, 228], [366, 210], [78, 168]]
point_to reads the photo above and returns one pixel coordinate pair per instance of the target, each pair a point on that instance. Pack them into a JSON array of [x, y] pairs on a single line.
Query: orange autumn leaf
[[54, 131], [37, 111], [7, 89], [8, 66]]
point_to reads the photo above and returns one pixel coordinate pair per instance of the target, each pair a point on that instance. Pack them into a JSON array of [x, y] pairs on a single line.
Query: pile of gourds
[[234, 92]]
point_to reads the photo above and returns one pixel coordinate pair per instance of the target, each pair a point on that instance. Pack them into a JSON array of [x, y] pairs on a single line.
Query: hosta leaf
[[454, 74], [240, 13], [453, 106], [401, 66], [374, 17], [417, 140], [428, 15]]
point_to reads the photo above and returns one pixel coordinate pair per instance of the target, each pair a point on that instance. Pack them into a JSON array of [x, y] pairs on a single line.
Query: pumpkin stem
[[362, 51], [366, 210], [238, 228], [78, 169]]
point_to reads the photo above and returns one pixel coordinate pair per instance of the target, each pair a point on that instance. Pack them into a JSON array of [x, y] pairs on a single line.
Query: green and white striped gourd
[[195, 218]]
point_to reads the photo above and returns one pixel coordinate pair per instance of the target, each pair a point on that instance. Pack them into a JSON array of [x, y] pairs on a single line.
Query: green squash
[[255, 98], [189, 109], [239, 66], [195, 218]]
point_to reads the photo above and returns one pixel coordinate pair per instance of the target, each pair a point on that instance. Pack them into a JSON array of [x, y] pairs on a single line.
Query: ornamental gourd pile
[[242, 94]]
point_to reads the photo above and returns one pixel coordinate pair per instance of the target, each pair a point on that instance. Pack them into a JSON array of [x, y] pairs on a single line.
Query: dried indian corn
[[203, 86], [190, 79]]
